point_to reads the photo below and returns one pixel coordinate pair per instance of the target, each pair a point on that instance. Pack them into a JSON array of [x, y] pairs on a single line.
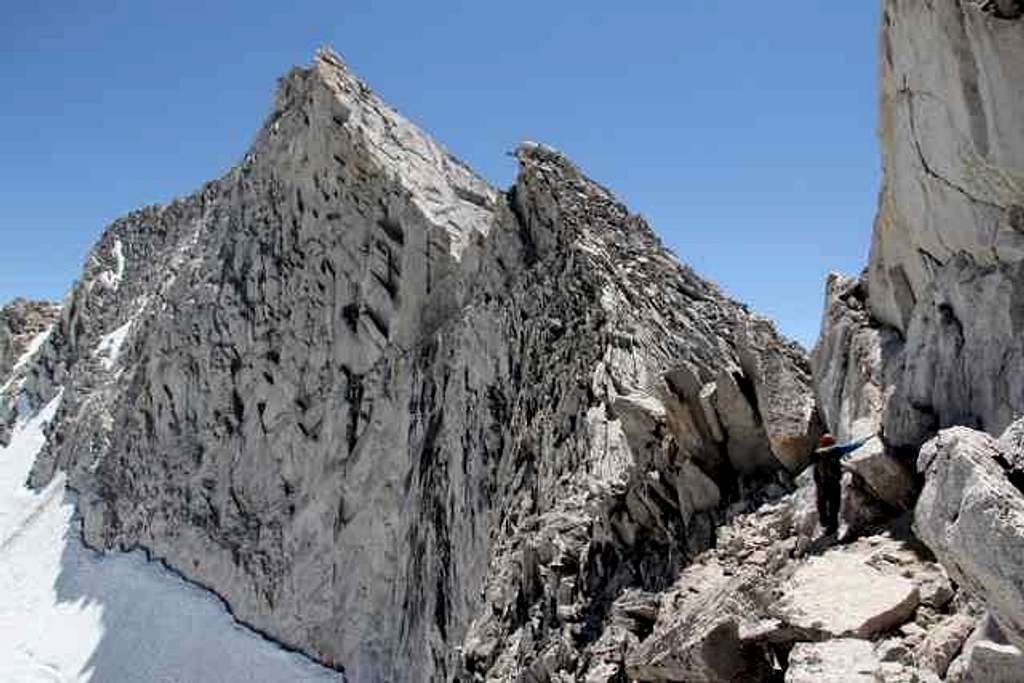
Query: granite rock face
[[414, 426], [933, 333], [971, 515], [929, 338]]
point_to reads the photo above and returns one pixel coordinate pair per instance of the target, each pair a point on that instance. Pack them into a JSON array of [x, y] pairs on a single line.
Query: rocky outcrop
[[22, 322], [932, 335], [971, 515], [414, 426], [763, 604]]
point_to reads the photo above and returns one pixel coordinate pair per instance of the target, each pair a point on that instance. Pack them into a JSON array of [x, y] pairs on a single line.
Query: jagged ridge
[[342, 385]]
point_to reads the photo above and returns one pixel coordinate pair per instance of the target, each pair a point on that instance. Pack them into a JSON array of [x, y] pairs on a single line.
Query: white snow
[[119, 257], [70, 614], [112, 278], [30, 350], [109, 347]]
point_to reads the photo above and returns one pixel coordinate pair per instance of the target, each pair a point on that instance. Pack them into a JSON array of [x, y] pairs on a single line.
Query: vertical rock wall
[[944, 279]]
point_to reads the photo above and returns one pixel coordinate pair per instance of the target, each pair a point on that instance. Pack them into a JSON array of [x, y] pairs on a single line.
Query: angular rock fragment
[[702, 641], [943, 643]]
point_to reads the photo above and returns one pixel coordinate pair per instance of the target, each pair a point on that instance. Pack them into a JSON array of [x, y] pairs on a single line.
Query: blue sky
[[744, 132]]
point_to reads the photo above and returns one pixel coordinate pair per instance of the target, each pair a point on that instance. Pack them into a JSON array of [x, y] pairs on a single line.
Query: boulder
[[846, 660], [972, 517], [840, 594], [859, 509], [886, 476], [782, 383], [989, 662], [943, 643], [700, 641], [987, 657]]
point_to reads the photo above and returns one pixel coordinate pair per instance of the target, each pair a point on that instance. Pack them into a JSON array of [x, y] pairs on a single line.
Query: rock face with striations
[[930, 336], [411, 425], [933, 336]]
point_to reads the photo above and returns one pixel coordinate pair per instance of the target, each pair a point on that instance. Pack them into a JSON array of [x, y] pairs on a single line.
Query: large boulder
[[782, 384], [971, 515], [839, 594]]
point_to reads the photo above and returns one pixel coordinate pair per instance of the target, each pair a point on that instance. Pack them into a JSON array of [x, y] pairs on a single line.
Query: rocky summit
[[421, 428]]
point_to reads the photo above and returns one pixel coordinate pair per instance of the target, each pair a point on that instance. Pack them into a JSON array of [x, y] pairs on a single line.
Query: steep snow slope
[[68, 613]]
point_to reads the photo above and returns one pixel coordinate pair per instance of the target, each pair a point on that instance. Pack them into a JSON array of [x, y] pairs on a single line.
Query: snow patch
[[30, 351], [68, 613], [112, 278], [119, 257], [109, 348]]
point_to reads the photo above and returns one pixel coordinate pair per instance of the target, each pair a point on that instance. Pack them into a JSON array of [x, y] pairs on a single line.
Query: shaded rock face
[[411, 425]]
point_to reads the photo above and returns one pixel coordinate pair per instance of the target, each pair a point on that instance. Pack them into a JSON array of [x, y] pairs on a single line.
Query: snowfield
[[68, 613]]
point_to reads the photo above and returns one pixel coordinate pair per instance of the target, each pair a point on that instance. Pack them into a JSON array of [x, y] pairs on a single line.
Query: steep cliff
[[930, 336], [411, 425], [944, 279]]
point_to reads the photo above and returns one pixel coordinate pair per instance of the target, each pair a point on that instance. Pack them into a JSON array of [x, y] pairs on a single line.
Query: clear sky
[[744, 132]]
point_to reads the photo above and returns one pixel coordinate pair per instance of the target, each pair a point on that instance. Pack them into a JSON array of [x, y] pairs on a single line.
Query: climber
[[827, 475]]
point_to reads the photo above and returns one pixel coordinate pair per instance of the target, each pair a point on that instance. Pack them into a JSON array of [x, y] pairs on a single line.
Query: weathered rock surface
[[953, 152], [886, 476], [986, 656], [986, 661], [943, 643], [411, 425], [780, 374], [933, 334], [837, 661], [22, 322], [971, 515], [847, 360], [840, 594]]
